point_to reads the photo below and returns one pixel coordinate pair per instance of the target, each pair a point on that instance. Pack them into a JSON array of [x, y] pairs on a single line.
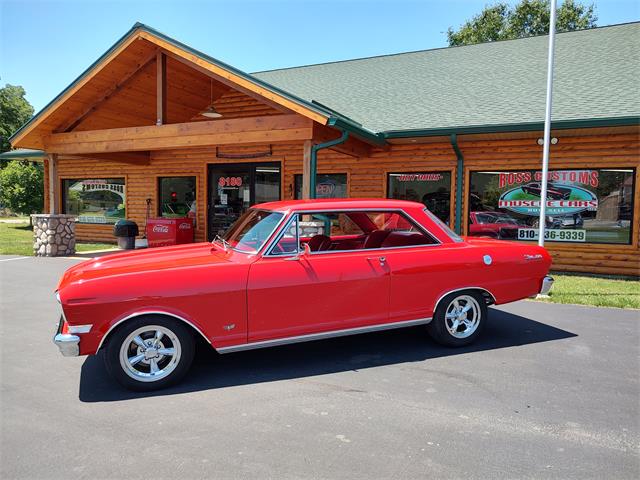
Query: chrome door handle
[[382, 260]]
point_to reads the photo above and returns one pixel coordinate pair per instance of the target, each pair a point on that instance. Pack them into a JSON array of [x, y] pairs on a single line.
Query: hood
[[151, 259]]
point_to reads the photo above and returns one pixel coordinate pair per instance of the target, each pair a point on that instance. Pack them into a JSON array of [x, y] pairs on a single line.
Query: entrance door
[[233, 188]]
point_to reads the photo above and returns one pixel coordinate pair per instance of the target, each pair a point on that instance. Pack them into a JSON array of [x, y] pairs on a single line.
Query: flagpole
[[547, 126]]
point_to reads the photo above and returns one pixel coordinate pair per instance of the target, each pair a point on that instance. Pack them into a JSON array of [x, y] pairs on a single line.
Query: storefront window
[[592, 206], [95, 200], [177, 197], [328, 185], [433, 189]]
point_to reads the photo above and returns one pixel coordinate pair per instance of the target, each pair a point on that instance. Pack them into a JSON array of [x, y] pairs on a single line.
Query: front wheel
[[150, 352], [459, 319]]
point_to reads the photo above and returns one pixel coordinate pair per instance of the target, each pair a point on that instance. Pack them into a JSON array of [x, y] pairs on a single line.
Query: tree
[[15, 110], [22, 187], [526, 18]]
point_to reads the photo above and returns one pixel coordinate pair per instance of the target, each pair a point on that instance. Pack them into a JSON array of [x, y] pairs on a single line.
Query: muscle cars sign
[[589, 205]]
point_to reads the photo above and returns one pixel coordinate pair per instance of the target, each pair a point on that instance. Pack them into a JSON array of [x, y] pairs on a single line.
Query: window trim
[[63, 194], [269, 251], [159, 178], [347, 173], [631, 244]]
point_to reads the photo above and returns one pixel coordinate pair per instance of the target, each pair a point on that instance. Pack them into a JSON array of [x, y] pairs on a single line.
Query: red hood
[[151, 259]]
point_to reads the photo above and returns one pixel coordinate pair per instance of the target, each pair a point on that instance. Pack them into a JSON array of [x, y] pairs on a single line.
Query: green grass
[[595, 291], [17, 239]]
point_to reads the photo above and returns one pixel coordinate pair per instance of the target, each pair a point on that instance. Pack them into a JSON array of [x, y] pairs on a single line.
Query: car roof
[[339, 204]]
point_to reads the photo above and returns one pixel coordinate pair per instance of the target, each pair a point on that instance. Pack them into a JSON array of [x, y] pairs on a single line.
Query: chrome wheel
[[150, 353], [462, 316]]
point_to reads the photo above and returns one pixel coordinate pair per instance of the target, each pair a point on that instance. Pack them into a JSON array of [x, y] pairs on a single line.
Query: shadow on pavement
[[211, 370]]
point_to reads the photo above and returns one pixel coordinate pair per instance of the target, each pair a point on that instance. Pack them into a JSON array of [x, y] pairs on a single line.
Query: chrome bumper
[[547, 283], [68, 344]]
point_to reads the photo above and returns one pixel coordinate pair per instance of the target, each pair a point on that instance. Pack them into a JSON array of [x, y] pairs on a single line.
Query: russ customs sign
[[567, 192]]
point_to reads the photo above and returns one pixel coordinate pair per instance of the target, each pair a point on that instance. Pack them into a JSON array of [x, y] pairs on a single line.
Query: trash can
[[126, 231]]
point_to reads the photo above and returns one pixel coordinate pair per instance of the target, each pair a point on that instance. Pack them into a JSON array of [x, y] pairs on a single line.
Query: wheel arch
[[489, 297], [193, 328]]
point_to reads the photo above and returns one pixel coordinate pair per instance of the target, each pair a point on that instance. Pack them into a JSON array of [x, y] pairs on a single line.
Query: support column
[[53, 190], [161, 88], [306, 170]]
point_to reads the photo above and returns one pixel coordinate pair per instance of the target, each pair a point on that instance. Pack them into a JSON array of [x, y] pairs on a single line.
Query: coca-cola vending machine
[[162, 232]]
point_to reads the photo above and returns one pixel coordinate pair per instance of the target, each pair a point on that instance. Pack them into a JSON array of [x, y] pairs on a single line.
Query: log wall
[[367, 177]]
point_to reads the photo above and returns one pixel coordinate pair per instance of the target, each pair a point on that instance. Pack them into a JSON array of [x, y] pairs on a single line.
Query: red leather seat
[[319, 243], [375, 239]]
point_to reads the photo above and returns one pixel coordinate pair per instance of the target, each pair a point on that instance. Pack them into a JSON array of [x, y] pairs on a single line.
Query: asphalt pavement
[[549, 391]]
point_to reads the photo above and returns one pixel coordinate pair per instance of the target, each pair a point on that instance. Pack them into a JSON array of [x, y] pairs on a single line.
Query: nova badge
[[537, 256], [231, 326]]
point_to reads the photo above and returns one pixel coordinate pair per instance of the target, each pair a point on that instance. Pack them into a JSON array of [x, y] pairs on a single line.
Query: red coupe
[[288, 272]]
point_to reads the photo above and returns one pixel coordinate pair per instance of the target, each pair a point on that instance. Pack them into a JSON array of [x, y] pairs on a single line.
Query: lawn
[[17, 239], [595, 291]]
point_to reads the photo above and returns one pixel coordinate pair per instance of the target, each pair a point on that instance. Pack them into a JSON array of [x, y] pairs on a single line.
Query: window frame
[[346, 173], [159, 189], [634, 185], [271, 245], [62, 197]]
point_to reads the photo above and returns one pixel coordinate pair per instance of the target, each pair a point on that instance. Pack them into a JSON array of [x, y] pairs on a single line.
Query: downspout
[[313, 161], [459, 183]]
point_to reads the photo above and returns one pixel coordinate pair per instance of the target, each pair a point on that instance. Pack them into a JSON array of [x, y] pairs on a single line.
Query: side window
[[289, 240], [394, 229]]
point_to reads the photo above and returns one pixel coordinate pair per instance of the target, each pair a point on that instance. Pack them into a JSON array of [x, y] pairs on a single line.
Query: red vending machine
[[162, 232]]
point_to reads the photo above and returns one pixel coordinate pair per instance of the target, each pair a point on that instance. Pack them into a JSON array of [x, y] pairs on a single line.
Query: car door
[[291, 294]]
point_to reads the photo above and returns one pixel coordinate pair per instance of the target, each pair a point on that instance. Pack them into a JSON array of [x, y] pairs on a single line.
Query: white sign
[[553, 235], [223, 199]]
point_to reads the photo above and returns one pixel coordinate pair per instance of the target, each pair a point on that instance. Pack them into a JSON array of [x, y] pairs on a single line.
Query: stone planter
[[54, 235]]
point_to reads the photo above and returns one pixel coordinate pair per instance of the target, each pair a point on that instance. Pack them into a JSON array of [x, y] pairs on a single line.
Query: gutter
[[313, 162], [459, 181]]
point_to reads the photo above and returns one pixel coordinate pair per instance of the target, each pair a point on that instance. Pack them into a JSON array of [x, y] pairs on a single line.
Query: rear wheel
[[458, 319], [150, 352]]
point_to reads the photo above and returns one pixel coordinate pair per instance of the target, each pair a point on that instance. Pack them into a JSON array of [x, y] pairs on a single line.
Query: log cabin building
[[155, 128]]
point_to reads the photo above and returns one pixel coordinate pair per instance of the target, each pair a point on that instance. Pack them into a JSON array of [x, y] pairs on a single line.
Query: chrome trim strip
[[322, 335], [80, 328], [459, 290], [151, 312]]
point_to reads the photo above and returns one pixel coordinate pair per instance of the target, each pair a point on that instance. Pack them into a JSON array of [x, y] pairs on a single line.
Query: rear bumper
[[547, 283], [68, 343]]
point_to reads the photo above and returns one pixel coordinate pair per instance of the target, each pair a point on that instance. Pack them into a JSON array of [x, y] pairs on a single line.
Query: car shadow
[[211, 370]]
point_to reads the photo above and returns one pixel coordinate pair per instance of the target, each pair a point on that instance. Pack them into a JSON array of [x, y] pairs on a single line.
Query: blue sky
[[45, 45]]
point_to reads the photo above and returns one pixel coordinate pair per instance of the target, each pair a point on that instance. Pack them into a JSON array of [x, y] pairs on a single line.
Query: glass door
[[233, 188]]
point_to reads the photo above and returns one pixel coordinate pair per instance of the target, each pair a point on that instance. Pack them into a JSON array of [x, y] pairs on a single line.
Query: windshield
[[250, 232]]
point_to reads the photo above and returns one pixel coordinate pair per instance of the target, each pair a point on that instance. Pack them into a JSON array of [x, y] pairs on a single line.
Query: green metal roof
[[485, 87], [22, 154], [489, 87]]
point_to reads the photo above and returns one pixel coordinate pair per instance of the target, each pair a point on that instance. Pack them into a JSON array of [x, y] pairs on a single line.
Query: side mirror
[[306, 251]]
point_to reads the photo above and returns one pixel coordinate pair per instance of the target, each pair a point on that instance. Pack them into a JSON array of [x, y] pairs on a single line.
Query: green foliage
[[22, 187], [595, 291], [526, 18], [15, 110]]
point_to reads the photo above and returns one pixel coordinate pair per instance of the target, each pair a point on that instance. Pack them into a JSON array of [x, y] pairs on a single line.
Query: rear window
[[453, 235]]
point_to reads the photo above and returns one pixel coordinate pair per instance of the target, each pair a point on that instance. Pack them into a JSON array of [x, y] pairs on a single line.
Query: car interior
[[340, 231]]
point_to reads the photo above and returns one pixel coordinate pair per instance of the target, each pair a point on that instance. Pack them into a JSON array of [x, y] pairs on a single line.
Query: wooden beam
[[306, 169], [161, 88], [268, 129], [53, 176], [228, 83], [137, 158], [108, 94], [352, 147]]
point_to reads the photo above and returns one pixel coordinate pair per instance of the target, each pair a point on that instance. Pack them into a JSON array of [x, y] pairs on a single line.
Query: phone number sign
[[553, 235]]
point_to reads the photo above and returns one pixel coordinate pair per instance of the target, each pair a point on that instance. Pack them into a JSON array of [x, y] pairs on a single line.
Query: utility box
[[162, 232]]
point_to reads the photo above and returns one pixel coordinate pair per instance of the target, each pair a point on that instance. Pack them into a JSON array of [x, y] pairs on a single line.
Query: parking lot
[[549, 391]]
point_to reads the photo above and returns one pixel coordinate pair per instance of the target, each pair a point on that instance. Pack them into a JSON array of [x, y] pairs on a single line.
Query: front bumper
[[68, 343], [547, 283]]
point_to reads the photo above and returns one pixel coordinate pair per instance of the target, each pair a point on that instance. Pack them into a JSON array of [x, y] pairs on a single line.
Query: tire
[[139, 362], [443, 328]]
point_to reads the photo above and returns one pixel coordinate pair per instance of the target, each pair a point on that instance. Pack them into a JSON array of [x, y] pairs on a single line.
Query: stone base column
[[54, 235]]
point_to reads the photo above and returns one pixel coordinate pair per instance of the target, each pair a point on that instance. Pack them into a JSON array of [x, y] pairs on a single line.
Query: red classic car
[[493, 224], [288, 272]]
